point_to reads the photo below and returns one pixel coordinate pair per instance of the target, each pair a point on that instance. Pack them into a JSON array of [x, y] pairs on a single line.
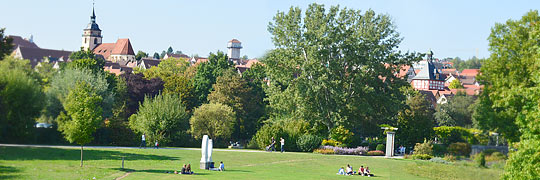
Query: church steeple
[[91, 34]]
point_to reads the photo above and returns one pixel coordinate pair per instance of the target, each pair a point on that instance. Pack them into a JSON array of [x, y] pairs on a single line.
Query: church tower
[[92, 34]]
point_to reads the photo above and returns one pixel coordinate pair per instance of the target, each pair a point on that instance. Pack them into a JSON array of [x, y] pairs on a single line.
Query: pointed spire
[[93, 17]]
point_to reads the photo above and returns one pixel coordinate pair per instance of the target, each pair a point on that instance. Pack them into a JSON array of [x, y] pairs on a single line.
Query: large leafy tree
[[5, 44], [67, 79], [330, 66], [138, 87], [86, 60], [510, 102], [206, 74], [231, 90], [160, 117], [21, 101], [140, 55], [83, 114], [457, 112], [415, 122], [215, 120]]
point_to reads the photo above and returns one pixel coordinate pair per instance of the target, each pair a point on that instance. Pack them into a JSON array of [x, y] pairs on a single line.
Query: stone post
[[390, 143], [204, 152]]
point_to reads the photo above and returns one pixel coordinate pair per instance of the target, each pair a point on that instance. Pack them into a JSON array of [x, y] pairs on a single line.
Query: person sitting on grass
[[341, 171], [183, 171], [361, 170], [188, 169], [349, 170], [221, 166], [367, 172]]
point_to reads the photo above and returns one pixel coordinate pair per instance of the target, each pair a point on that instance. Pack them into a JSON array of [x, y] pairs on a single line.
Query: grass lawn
[[103, 163]]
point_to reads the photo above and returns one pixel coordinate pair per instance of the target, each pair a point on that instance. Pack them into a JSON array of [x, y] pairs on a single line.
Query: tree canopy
[[329, 65], [215, 120], [5, 44]]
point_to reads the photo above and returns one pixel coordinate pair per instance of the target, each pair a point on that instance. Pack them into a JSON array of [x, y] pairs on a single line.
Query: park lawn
[[105, 163]]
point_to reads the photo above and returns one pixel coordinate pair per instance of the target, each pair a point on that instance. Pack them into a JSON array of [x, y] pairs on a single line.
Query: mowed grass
[[105, 163]]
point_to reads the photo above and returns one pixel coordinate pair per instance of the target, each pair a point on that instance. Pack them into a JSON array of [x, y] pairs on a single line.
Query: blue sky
[[449, 28]]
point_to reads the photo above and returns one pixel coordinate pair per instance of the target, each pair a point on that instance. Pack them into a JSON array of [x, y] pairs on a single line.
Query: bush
[[449, 157], [439, 150], [480, 159], [288, 129], [452, 134], [342, 135], [330, 142], [439, 160], [423, 148], [323, 151], [463, 149], [496, 156], [252, 144], [308, 142], [375, 153], [421, 156], [380, 147], [348, 151]]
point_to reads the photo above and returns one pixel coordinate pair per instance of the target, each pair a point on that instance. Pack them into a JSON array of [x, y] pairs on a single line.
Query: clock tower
[[91, 37]]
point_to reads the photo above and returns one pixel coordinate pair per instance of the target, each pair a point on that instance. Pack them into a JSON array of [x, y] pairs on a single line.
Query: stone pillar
[[204, 152], [209, 150], [390, 143]]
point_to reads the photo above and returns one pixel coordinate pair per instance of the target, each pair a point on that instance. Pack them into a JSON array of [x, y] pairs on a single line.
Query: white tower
[[234, 47], [92, 34]]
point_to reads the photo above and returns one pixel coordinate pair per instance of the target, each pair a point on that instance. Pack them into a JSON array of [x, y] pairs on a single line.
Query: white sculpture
[[206, 153]]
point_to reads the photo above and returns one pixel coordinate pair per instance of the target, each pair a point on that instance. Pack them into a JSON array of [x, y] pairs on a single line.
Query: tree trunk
[[81, 155]]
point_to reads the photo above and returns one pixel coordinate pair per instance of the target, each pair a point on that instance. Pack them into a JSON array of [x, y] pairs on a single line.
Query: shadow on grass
[[28, 153], [159, 171], [237, 170], [6, 172]]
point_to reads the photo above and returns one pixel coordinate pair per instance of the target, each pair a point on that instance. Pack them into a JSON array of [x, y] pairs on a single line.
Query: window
[[85, 40], [95, 41]]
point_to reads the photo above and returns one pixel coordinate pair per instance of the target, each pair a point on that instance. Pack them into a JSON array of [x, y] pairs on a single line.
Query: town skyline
[[199, 28]]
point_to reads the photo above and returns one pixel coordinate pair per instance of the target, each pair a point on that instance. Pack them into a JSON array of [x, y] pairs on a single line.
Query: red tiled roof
[[123, 47], [470, 72], [235, 41], [104, 49]]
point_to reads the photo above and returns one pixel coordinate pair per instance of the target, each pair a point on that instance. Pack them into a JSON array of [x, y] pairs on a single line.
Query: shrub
[[496, 156], [380, 147], [449, 157], [342, 135], [451, 134], [252, 144], [375, 153], [439, 150], [330, 142], [459, 148], [288, 129], [348, 151], [323, 151], [439, 160], [423, 148], [480, 159], [421, 156], [308, 142]]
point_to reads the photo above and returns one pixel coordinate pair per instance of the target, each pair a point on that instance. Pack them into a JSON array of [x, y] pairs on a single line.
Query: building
[[234, 47], [92, 41], [167, 56], [430, 77], [27, 49], [18, 41]]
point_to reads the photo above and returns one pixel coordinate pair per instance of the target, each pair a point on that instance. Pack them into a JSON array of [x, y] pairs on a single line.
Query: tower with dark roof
[[92, 34]]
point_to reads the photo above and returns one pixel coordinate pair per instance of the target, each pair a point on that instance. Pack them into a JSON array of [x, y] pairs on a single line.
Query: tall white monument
[[206, 153], [390, 136], [234, 47]]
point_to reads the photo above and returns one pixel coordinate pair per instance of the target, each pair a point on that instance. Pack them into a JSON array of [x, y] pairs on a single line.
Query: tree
[[457, 112], [214, 119], [415, 123], [170, 50], [472, 63], [231, 90], [178, 52], [156, 55], [67, 79], [5, 44], [509, 102], [207, 73], [21, 101], [84, 59], [138, 88], [455, 84], [83, 115], [331, 64], [46, 72], [141, 54], [160, 117]]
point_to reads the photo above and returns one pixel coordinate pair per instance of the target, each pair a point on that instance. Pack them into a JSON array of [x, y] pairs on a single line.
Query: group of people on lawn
[[186, 169], [349, 171]]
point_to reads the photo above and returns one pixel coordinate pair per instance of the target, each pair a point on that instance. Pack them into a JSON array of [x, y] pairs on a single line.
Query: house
[[241, 68], [147, 63], [36, 55], [429, 77], [18, 41]]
